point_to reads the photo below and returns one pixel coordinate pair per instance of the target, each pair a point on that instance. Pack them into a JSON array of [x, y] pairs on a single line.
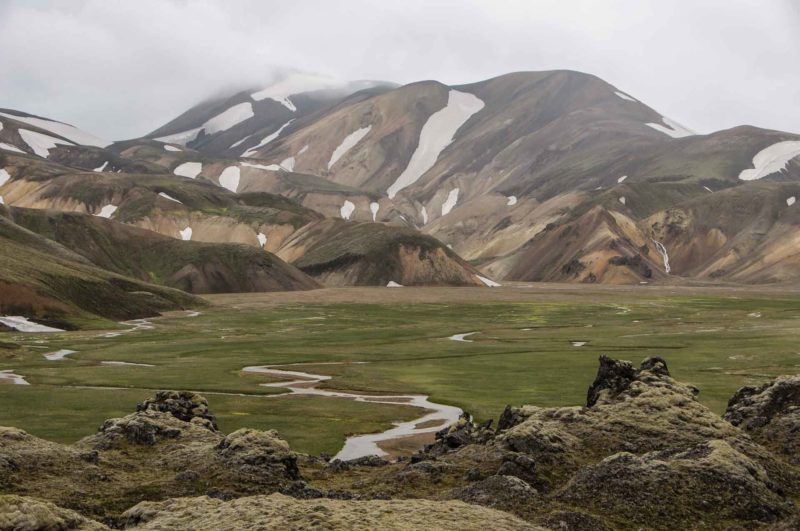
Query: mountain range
[[530, 176]]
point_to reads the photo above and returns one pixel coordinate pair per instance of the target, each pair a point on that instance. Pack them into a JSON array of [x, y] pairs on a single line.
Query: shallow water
[[439, 415]]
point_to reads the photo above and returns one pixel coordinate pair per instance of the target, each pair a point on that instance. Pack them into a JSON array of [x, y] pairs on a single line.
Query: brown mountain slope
[[533, 149]]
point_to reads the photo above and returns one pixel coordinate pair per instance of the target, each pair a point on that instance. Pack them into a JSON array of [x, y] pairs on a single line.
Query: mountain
[[234, 124], [492, 167], [555, 176], [201, 209]]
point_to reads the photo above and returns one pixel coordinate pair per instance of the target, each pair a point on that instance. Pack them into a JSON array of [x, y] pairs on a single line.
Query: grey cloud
[[122, 68]]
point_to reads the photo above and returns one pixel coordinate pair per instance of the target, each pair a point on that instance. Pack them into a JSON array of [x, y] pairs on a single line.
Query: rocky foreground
[[642, 453]]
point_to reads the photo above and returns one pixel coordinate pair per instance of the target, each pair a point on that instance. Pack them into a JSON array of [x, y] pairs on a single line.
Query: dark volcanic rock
[[520, 466], [708, 482], [770, 414], [498, 491], [462, 433], [614, 375], [572, 521], [258, 454], [183, 405], [337, 465]]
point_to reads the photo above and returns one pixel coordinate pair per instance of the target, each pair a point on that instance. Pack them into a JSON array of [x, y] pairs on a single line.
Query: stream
[[303, 383], [664, 255]]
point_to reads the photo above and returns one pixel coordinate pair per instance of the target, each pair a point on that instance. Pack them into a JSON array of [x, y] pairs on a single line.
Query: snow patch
[[15, 379], [578, 343], [189, 169], [24, 325], [287, 164], [461, 337], [270, 167], [126, 363], [101, 168], [424, 212], [622, 179], [512, 200], [393, 284], [2, 201], [107, 211], [59, 355], [267, 139], [262, 239], [305, 148], [450, 202], [9, 147], [167, 147], [182, 138], [228, 118], [374, 207], [623, 200], [623, 95], [772, 159], [186, 234], [61, 129], [347, 209], [229, 178], [488, 282], [4, 176], [239, 142], [165, 196], [671, 128], [41, 144], [348, 143], [791, 201], [709, 189], [295, 83], [436, 135]]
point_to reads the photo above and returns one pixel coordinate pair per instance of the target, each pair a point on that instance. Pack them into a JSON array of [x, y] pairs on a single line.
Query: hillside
[[193, 267], [363, 254], [199, 210], [44, 280]]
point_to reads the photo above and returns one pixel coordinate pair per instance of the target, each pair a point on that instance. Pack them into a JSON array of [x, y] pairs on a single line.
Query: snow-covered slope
[[69, 132]]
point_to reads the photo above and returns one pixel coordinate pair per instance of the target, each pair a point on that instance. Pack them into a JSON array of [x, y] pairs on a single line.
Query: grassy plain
[[523, 352]]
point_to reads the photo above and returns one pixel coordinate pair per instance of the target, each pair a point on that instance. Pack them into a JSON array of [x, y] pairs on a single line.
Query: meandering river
[[437, 417]]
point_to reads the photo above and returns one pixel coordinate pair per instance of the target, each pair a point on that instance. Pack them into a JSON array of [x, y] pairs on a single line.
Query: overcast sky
[[122, 68]]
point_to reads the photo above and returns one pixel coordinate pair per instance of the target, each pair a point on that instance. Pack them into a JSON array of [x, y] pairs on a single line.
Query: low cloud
[[122, 68]]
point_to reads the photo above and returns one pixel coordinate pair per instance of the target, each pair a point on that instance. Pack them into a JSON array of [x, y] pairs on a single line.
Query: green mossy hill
[[348, 253], [43, 279], [195, 267], [283, 512], [169, 447]]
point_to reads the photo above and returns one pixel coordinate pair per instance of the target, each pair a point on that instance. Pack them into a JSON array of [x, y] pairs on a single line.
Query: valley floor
[[527, 344]]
